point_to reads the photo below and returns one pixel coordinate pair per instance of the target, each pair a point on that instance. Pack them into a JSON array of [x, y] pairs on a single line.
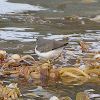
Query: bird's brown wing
[[44, 45]]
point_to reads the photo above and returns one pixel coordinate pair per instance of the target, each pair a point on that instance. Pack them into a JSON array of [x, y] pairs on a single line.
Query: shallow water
[[21, 21]]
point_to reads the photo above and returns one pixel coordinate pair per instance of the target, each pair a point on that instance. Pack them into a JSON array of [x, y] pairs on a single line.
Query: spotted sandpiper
[[48, 49]]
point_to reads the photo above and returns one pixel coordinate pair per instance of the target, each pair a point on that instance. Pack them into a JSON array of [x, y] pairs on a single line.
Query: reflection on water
[[13, 33], [21, 23], [7, 7]]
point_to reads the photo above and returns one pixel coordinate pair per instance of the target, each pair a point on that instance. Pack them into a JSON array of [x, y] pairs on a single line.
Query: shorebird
[[48, 49]]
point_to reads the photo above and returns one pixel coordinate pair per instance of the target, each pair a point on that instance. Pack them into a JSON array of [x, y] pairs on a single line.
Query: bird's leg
[[49, 61], [57, 57]]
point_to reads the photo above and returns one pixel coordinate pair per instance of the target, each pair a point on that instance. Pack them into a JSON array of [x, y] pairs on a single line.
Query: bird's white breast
[[50, 54]]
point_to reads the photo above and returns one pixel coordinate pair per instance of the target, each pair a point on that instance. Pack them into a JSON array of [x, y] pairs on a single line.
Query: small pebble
[[2, 52], [15, 56], [70, 53], [54, 98]]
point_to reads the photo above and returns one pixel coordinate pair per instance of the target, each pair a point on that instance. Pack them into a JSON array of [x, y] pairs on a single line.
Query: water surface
[[21, 21]]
